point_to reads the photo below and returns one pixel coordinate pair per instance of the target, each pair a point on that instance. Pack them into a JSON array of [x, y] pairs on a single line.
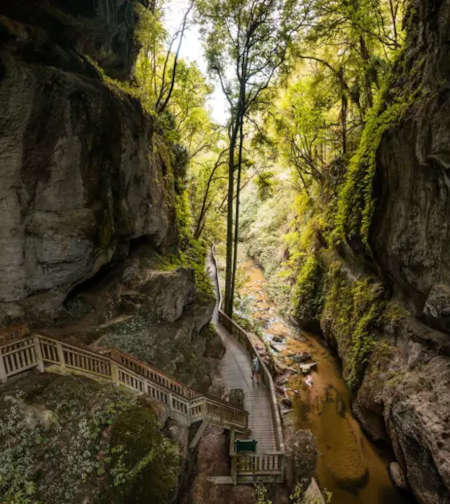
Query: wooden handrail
[[122, 369], [184, 403], [166, 380]]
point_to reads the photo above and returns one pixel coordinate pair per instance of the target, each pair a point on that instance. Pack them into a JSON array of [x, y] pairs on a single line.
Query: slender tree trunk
[[204, 208], [161, 107], [344, 108], [230, 198], [236, 219], [367, 81]]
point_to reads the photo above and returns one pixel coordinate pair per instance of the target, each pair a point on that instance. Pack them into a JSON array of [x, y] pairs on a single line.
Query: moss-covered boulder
[[145, 462], [67, 440]]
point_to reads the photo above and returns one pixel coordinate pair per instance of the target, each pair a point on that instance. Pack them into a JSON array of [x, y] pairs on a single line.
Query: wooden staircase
[[183, 403]]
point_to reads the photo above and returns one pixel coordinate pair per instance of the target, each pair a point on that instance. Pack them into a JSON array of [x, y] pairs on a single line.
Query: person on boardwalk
[[255, 368]]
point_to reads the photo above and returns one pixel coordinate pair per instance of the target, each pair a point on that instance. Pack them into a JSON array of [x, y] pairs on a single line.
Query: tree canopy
[[300, 80]]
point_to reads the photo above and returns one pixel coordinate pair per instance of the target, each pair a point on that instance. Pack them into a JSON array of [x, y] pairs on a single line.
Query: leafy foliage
[[145, 462], [57, 447], [265, 182]]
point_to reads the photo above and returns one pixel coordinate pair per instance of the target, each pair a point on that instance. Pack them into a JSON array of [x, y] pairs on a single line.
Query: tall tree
[[246, 42]]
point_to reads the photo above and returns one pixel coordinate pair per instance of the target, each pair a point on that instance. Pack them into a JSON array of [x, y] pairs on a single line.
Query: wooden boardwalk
[[235, 368]]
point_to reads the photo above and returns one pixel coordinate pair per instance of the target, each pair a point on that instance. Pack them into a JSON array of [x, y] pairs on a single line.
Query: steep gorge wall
[[396, 348], [81, 176], [411, 229]]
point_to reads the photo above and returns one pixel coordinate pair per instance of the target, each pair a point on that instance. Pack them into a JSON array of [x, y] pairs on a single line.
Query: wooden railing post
[[234, 469], [3, 376], [37, 349], [60, 351], [115, 373], [281, 467]]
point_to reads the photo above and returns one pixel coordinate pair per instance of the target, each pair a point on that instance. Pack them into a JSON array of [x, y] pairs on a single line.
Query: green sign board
[[245, 445]]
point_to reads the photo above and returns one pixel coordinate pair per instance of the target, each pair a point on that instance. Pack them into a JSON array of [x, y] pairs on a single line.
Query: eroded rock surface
[[81, 177], [411, 230], [404, 397]]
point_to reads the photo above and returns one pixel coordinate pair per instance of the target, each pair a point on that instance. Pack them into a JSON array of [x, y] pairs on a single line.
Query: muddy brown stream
[[349, 465]]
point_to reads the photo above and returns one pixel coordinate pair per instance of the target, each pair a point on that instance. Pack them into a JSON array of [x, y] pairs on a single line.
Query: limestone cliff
[[82, 174], [410, 236], [396, 347], [410, 232]]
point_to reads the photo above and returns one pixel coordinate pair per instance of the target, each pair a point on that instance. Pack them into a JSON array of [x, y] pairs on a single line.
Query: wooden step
[[220, 480]]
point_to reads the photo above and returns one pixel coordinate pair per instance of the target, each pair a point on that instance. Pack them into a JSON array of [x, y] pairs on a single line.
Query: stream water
[[349, 465]]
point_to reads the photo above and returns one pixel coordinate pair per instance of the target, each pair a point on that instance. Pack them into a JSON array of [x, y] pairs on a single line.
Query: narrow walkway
[[235, 368]]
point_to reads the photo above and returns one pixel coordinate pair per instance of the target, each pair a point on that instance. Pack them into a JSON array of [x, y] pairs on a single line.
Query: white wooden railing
[[250, 467], [267, 467], [183, 403]]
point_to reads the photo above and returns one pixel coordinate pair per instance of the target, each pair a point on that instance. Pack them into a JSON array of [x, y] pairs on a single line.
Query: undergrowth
[[192, 253], [55, 434]]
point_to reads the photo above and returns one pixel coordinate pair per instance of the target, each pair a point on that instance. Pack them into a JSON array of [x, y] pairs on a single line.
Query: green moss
[[68, 440], [183, 220], [307, 297], [356, 203], [208, 332], [54, 438], [164, 148], [394, 313], [194, 256], [144, 463], [156, 261], [352, 312], [105, 232], [192, 253], [115, 85]]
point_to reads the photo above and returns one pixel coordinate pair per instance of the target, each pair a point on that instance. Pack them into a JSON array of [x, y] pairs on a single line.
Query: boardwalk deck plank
[[235, 368]]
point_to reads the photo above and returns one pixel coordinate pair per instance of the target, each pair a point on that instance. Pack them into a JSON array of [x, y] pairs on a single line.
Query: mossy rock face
[[145, 463], [214, 346], [68, 439], [307, 297], [350, 319]]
